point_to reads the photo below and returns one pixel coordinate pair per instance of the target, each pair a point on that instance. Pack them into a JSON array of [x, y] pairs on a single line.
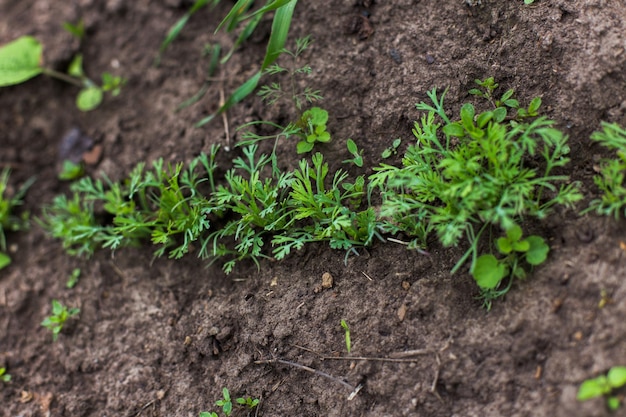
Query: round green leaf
[[617, 376], [613, 403], [488, 272], [504, 245], [593, 388], [89, 98], [538, 251], [304, 147], [454, 129], [20, 60]]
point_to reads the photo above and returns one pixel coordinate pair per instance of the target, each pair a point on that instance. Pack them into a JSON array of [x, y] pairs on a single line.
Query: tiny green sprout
[[8, 220], [60, 314], [248, 402], [356, 153], [77, 30], [313, 128], [603, 386], [71, 171], [4, 377], [208, 414], [529, 1], [73, 278], [392, 150], [225, 403], [346, 329]]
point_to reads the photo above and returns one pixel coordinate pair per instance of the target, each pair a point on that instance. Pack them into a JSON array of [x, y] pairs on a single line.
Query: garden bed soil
[[163, 337]]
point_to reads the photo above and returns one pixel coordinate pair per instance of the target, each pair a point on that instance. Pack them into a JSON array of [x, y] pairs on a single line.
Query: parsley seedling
[[60, 314]]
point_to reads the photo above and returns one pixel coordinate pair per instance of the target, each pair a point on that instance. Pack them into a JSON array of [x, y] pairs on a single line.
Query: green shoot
[[604, 386], [71, 171], [612, 172], [21, 59], [225, 403], [56, 321], [313, 128], [248, 402], [73, 278], [8, 220], [4, 376], [77, 30], [283, 12], [346, 329], [175, 30], [392, 150], [355, 152]]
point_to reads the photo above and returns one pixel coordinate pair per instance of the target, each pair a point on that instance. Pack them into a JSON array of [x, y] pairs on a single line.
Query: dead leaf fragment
[[26, 397], [327, 280], [402, 312]]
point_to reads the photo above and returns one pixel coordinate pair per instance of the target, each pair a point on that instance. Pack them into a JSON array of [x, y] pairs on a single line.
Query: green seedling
[[8, 220], [610, 180], [356, 153], [175, 30], [274, 92], [283, 12], [227, 405], [604, 386], [77, 30], [464, 177], [489, 272], [60, 315], [21, 60], [392, 150], [529, 1], [4, 376], [346, 329], [313, 128], [248, 402], [225, 402], [73, 278], [71, 171]]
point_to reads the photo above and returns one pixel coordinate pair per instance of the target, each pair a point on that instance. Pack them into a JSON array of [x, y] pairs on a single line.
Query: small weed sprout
[[8, 220], [357, 154], [73, 278], [71, 171], [346, 329], [56, 321], [604, 386], [227, 405], [610, 180], [392, 150], [4, 376], [20, 60]]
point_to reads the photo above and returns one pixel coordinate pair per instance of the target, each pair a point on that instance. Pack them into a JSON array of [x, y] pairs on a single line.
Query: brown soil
[[161, 338]]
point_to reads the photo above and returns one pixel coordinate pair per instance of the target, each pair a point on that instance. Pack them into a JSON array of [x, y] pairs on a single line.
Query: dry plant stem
[[308, 369], [225, 121]]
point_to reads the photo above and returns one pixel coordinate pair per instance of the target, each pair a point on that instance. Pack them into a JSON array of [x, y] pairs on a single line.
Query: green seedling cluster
[[21, 60], [485, 172], [58, 318], [610, 180], [254, 204], [8, 220], [226, 404], [604, 386], [462, 178]]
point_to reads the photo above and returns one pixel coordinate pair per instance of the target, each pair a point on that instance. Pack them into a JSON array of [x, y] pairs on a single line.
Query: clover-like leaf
[[538, 251], [488, 272], [593, 388], [617, 376]]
